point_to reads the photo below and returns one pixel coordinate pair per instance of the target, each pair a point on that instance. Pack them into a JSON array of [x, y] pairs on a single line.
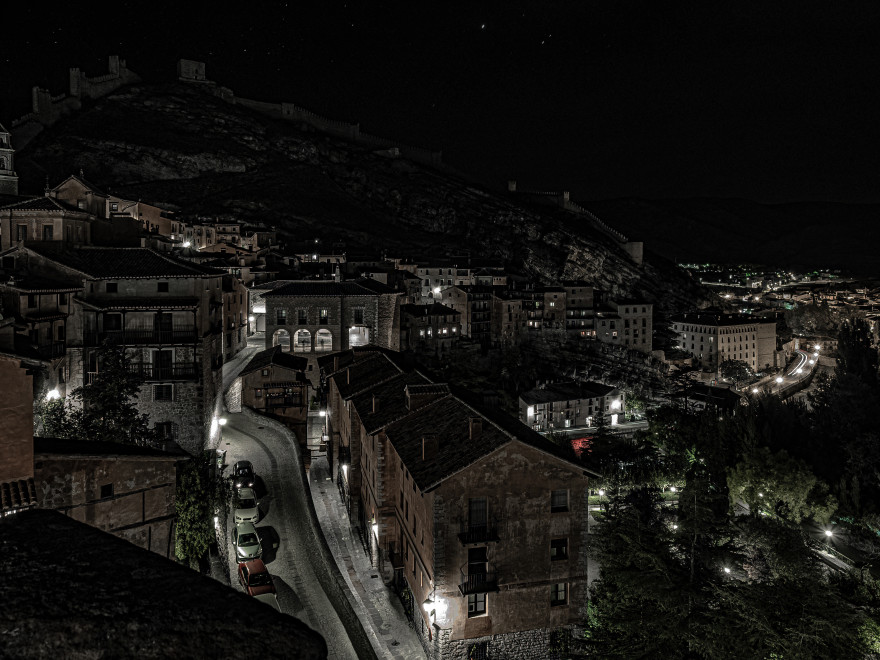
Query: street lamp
[[754, 390], [779, 379], [726, 570], [222, 423], [52, 395], [829, 533]]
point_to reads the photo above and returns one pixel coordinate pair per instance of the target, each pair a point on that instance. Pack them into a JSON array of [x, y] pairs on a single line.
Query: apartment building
[[433, 329], [714, 338], [571, 405]]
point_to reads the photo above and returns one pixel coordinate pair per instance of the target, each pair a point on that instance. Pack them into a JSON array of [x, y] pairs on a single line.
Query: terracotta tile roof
[[121, 263], [364, 374], [42, 204], [144, 303], [434, 309], [566, 392], [17, 494], [391, 400], [35, 284], [276, 356], [301, 288]]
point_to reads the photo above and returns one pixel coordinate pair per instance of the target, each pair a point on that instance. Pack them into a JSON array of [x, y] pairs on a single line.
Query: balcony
[[282, 401], [176, 335], [53, 350], [477, 582], [166, 372], [478, 533]]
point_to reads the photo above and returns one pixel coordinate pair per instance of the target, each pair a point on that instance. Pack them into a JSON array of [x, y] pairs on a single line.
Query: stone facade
[[714, 338], [16, 435], [121, 489], [8, 177]]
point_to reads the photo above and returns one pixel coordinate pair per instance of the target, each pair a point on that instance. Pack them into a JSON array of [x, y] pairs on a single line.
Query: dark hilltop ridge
[[181, 146]]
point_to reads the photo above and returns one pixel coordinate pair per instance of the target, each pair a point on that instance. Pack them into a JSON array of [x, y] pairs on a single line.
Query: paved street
[[380, 609]]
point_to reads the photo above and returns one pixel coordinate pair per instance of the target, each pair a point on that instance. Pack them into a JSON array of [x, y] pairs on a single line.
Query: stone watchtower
[[8, 177]]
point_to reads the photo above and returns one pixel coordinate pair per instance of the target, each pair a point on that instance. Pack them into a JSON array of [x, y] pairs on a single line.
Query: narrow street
[[282, 515]]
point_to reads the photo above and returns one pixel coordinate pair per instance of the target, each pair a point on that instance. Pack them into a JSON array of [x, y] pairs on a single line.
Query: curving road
[[281, 517]]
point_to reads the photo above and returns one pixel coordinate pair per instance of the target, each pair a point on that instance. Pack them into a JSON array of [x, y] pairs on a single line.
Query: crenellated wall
[[48, 109]]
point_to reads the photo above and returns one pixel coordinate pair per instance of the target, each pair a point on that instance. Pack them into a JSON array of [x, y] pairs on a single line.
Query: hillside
[[802, 235], [179, 146]]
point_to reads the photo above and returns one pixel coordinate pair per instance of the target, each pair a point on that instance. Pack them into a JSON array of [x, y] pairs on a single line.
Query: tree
[[104, 410], [737, 371], [200, 496], [780, 484]]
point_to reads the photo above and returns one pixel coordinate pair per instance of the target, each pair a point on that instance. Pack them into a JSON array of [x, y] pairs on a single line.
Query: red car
[[255, 579]]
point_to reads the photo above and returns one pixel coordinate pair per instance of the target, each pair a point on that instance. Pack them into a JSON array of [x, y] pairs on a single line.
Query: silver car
[[246, 542], [246, 506]]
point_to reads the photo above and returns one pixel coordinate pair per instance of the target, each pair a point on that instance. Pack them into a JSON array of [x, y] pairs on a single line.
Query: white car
[[246, 542], [269, 599], [246, 507]]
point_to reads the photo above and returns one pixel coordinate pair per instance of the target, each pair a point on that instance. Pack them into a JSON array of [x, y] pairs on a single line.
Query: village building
[[274, 383], [432, 329], [571, 405], [482, 522]]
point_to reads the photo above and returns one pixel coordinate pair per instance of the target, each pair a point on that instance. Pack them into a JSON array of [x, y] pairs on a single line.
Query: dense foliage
[[104, 410], [201, 495], [739, 565]]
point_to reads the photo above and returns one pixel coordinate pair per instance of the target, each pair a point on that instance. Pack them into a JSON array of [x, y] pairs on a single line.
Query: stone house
[[122, 489], [316, 317], [626, 323], [274, 383], [432, 329], [8, 177], [482, 521], [474, 303], [507, 324], [167, 314], [235, 316], [571, 405], [44, 219]]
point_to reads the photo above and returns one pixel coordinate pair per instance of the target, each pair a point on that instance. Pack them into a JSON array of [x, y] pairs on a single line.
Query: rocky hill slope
[[179, 146]]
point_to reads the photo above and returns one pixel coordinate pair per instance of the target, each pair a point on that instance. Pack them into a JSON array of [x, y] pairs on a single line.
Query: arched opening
[[323, 341], [282, 338], [358, 335], [302, 341]]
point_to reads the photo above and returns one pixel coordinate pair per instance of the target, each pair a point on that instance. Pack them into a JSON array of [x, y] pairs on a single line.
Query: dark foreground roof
[[70, 590], [65, 447], [120, 262]]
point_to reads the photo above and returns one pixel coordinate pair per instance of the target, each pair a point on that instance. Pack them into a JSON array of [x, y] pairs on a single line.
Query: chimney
[[429, 447], [475, 427], [375, 403]]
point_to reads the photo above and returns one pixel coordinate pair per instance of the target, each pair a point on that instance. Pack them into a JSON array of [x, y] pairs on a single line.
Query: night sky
[[771, 101]]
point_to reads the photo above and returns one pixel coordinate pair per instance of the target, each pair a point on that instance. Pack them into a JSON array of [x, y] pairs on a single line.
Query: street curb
[[323, 562]]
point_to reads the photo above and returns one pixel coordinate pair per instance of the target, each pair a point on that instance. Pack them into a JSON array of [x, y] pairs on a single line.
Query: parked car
[[246, 506], [243, 474], [246, 542], [255, 578]]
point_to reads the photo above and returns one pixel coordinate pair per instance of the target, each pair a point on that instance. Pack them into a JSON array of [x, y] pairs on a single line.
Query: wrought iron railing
[[477, 581], [176, 335]]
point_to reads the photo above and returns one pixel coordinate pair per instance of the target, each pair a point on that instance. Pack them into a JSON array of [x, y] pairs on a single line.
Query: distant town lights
[[754, 390], [51, 395]]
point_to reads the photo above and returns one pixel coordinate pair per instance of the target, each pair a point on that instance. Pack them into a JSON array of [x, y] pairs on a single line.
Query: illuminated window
[[476, 604]]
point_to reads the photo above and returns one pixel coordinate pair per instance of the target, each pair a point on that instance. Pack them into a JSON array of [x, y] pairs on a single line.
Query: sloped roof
[[65, 447], [101, 596], [434, 309], [91, 187], [566, 392], [121, 262], [301, 288], [35, 283], [364, 374], [276, 356], [42, 204], [448, 420], [390, 400]]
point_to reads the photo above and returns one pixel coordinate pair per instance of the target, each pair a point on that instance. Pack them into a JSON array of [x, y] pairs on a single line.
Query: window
[[163, 392], [21, 232], [165, 430], [106, 491], [324, 316], [476, 604], [558, 594], [162, 287], [559, 501], [32, 301], [48, 232], [111, 287], [259, 394], [478, 651], [114, 206], [477, 512], [265, 372], [358, 316], [302, 317], [280, 317], [558, 549], [62, 298], [80, 203]]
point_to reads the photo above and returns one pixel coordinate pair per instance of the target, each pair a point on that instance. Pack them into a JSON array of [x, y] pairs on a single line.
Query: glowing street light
[[812, 362], [673, 488], [52, 395], [829, 533], [726, 570], [816, 347], [754, 390], [779, 379], [601, 492]]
